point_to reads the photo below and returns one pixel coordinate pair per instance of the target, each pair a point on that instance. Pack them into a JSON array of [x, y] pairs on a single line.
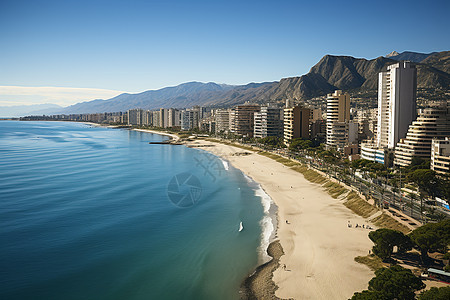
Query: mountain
[[408, 55], [439, 60], [26, 110], [330, 73], [181, 96], [348, 73], [393, 53]]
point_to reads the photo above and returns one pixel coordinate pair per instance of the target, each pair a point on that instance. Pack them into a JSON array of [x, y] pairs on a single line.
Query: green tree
[[442, 293], [396, 282], [300, 144], [432, 237], [369, 295], [419, 163], [272, 142], [385, 240], [426, 180]]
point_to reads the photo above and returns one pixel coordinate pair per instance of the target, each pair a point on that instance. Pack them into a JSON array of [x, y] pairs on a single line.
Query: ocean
[[99, 213]]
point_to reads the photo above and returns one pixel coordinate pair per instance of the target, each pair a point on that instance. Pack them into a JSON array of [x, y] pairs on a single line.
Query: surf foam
[[267, 223]]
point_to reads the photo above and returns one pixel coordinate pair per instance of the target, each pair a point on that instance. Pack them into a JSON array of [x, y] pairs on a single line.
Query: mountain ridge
[[330, 73]]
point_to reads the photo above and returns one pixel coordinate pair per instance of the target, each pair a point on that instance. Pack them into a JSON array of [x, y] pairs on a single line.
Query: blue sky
[[108, 47]]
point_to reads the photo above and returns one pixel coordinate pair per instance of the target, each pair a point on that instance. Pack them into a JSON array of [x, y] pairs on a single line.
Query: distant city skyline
[[65, 52]]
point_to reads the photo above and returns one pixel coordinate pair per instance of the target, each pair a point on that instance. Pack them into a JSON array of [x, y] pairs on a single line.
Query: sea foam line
[[267, 223]]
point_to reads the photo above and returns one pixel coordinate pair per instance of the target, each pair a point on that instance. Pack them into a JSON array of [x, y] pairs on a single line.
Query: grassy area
[[385, 221], [334, 189], [359, 205], [280, 159], [229, 144], [371, 260], [309, 174]]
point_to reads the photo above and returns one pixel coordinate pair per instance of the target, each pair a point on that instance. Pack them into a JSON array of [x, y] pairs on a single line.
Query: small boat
[[240, 227]]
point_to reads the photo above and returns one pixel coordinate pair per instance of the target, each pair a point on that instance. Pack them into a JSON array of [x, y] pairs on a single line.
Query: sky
[[64, 52]]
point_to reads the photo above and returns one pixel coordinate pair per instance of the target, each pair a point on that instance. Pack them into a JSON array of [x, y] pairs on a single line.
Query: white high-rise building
[[396, 103], [268, 122]]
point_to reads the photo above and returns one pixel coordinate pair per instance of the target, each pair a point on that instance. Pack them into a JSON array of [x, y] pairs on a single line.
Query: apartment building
[[268, 122], [296, 123], [242, 119]]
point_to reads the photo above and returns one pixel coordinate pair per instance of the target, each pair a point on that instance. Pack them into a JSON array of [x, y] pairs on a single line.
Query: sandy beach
[[319, 247]]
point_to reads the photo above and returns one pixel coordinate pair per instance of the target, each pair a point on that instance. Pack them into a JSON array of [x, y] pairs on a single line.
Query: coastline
[[319, 249], [172, 136]]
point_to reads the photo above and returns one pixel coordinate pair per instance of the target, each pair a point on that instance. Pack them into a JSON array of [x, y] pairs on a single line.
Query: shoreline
[[172, 136], [319, 249]]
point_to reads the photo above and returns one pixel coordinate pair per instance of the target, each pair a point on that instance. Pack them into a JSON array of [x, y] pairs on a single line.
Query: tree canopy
[[395, 282], [385, 240], [442, 293], [272, 142], [300, 144], [426, 180], [432, 237]]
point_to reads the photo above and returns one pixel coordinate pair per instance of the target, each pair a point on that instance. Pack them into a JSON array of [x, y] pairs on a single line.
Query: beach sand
[[319, 248]]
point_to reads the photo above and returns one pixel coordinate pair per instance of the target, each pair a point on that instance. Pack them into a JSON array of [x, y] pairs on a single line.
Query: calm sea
[[98, 213]]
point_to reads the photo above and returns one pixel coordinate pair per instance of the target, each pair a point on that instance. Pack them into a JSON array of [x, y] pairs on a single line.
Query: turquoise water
[[93, 213]]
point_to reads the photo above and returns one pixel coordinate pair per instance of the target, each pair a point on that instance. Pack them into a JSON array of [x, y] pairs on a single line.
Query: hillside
[[408, 55], [330, 73], [440, 61]]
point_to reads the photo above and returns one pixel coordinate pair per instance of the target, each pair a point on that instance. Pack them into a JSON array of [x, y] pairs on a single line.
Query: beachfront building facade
[[296, 123], [268, 122], [396, 103], [189, 119], [222, 117], [396, 111], [440, 155], [370, 152], [432, 122], [136, 116], [242, 119], [173, 117], [340, 130]]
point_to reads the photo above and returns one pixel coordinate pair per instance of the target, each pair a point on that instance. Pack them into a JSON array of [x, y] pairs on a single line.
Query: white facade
[[432, 122], [396, 103], [370, 152], [268, 122], [440, 155]]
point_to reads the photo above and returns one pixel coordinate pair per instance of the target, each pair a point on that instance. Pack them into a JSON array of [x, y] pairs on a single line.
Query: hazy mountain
[[181, 96], [330, 73], [408, 55], [26, 110]]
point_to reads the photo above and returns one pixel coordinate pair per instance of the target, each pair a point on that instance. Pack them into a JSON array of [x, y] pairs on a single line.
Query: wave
[[225, 164], [267, 223]]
